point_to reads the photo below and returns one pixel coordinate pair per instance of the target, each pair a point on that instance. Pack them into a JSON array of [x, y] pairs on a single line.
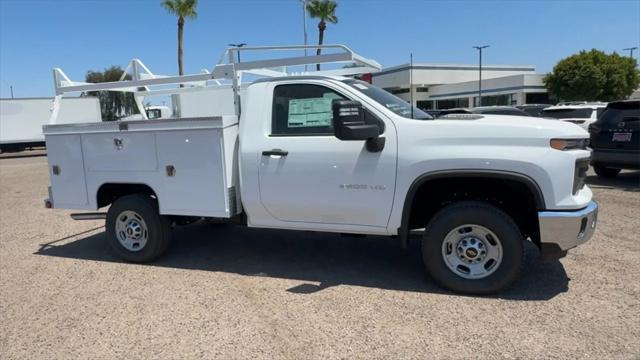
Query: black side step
[[89, 216]]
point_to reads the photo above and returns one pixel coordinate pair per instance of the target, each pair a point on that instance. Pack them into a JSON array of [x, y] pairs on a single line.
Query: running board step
[[89, 216]]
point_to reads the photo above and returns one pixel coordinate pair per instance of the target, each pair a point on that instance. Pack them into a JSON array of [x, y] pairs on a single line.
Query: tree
[[183, 9], [593, 76], [325, 10], [113, 104]]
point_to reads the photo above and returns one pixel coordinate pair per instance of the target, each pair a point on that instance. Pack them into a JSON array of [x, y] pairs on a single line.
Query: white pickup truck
[[322, 152]]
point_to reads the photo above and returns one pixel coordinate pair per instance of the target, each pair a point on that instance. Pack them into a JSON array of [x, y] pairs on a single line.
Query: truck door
[[308, 175]]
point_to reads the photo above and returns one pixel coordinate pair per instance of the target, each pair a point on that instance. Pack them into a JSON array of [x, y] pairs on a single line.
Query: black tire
[[158, 227], [605, 172], [485, 215]]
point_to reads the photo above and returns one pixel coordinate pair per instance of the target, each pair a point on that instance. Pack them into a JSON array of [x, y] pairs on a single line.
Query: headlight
[[569, 144]]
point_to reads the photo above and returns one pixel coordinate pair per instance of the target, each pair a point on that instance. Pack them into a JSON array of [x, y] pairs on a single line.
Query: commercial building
[[445, 86]]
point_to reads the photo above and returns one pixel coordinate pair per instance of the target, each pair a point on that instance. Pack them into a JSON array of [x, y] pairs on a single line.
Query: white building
[[444, 86]]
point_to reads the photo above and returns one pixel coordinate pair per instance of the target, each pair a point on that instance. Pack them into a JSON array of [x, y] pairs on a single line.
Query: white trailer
[[321, 152], [21, 119]]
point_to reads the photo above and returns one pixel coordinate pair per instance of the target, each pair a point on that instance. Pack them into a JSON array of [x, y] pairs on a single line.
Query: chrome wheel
[[131, 230], [472, 251]]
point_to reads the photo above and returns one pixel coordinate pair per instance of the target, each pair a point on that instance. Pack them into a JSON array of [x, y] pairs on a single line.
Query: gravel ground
[[230, 292]]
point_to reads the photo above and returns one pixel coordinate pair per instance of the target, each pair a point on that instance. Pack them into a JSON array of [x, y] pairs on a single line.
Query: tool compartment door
[[192, 180], [120, 151], [66, 172]]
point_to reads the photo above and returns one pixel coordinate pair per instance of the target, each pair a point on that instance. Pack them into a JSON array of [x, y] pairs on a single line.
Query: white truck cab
[[323, 152]]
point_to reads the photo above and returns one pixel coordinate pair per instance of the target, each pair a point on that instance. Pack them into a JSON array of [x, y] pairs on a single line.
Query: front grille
[[580, 174]]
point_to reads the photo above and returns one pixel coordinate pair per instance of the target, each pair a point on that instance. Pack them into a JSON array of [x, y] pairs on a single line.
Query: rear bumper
[[617, 158], [563, 230]]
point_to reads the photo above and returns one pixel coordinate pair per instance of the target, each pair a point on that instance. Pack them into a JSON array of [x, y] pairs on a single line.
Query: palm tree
[[183, 9], [325, 10]]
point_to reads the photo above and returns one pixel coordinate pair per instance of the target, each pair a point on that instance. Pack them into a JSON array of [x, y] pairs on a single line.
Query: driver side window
[[302, 109]]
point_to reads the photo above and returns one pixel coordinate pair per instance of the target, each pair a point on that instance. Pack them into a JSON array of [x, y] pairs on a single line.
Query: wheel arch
[[497, 175], [108, 192]]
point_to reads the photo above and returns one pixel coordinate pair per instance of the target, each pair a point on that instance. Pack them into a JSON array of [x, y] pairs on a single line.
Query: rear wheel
[[135, 229], [473, 248], [606, 172]]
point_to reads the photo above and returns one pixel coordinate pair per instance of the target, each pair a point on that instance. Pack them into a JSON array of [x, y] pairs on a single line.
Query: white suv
[[579, 113]]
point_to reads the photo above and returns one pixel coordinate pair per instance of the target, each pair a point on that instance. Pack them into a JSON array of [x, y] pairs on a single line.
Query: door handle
[[275, 152]]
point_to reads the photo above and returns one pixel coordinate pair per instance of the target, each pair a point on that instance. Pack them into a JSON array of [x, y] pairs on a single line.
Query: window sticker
[[311, 112], [360, 86]]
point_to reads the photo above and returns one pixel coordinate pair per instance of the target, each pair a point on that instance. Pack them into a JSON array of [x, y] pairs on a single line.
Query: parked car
[[485, 110], [331, 154], [615, 138], [444, 112], [498, 110], [533, 109], [582, 114], [153, 112], [434, 113]]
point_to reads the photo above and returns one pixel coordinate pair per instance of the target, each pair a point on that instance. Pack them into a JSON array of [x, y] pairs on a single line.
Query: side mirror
[[348, 121]]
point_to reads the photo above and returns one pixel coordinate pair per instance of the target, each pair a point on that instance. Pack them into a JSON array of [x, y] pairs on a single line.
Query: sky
[[82, 35]]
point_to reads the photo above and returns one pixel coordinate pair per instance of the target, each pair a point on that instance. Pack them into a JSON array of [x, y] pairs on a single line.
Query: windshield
[[580, 113], [391, 102]]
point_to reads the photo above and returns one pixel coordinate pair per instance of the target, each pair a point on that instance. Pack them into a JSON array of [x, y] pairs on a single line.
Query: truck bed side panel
[[187, 163]]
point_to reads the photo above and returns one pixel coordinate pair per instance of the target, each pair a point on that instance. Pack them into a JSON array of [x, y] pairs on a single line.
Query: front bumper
[[563, 230]]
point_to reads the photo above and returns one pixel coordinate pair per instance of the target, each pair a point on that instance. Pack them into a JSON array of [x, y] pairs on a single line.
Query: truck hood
[[515, 126], [535, 124], [492, 130]]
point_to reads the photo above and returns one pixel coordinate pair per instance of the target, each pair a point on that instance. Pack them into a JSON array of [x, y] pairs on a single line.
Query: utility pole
[[238, 46], [304, 25], [479, 48], [411, 82], [11, 87], [631, 51]]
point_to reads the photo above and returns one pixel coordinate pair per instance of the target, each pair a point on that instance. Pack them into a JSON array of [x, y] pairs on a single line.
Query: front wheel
[[135, 229], [473, 248]]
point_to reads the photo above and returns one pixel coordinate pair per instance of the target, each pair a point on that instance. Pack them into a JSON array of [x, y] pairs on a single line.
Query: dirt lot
[[230, 292]]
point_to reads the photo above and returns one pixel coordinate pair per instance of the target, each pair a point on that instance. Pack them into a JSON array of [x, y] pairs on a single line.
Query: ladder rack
[[228, 70]]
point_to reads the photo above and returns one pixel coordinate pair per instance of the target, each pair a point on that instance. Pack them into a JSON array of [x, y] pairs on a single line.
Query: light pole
[[238, 46], [479, 48], [631, 51], [304, 25]]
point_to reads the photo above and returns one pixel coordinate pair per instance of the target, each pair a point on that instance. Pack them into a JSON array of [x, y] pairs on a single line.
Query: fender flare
[[403, 231]]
